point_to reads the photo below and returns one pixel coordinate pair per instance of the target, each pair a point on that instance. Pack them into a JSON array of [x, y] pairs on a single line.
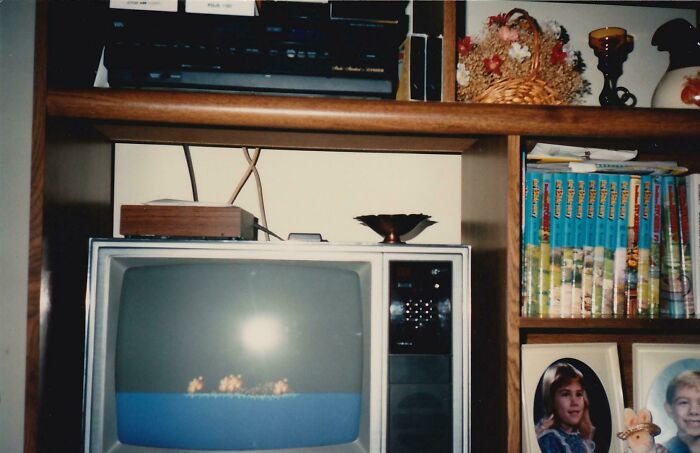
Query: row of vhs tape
[[610, 245]]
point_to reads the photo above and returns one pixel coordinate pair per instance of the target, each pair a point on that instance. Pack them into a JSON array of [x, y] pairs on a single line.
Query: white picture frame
[[653, 367], [599, 364]]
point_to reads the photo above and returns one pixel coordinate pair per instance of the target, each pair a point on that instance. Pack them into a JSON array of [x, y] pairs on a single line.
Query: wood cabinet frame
[[71, 192]]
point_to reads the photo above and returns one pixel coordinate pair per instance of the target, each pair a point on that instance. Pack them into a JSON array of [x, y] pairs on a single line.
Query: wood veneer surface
[[485, 219], [77, 199], [367, 116], [622, 324], [32, 371], [513, 294], [449, 54], [291, 140]]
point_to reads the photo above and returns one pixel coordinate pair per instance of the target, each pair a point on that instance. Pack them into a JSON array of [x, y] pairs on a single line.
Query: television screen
[[196, 346], [237, 355]]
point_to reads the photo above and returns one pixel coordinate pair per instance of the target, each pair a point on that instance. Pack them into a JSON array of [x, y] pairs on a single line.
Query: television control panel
[[420, 307], [420, 357]]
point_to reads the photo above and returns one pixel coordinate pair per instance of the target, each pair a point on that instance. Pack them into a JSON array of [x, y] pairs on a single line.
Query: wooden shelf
[[490, 139], [359, 118], [74, 133], [647, 325]]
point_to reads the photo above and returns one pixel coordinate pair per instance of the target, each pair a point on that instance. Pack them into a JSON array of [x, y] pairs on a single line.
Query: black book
[[428, 17], [417, 67], [433, 69]]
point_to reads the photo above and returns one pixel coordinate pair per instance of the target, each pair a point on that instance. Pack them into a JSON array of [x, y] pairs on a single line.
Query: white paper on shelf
[[101, 79], [562, 153], [145, 5], [222, 7], [549, 166], [636, 167]]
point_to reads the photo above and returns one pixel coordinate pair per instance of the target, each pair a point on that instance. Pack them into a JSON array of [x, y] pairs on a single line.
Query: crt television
[[198, 346]]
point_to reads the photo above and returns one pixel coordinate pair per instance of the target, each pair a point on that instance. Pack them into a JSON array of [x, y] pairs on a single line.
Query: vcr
[[266, 53]]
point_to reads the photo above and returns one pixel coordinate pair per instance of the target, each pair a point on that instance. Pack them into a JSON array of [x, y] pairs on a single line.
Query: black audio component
[[274, 52]]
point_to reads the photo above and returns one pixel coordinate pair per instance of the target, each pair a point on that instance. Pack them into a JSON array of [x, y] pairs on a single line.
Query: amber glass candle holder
[[612, 45]]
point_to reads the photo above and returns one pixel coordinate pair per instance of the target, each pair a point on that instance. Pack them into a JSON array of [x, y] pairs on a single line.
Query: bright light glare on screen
[[261, 334]]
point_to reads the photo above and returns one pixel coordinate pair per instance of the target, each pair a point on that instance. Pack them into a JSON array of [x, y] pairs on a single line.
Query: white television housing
[[201, 345]]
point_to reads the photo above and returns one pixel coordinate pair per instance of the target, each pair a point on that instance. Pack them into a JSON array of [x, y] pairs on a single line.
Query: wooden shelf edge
[[367, 116], [295, 140], [653, 325]]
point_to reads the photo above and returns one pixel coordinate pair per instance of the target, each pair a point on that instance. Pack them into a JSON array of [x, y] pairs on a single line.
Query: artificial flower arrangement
[[514, 61]]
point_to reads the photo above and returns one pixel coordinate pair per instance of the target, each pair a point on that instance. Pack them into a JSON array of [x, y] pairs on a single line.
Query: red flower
[[499, 20], [558, 55], [493, 65], [464, 45], [691, 91]]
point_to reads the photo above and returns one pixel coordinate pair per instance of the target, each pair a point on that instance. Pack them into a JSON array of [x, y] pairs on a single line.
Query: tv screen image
[[214, 356]]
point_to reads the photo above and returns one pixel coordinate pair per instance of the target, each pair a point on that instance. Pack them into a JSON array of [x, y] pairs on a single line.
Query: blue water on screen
[[237, 422]]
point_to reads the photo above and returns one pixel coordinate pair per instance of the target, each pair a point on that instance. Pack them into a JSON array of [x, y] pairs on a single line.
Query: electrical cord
[[252, 169], [190, 169], [258, 183], [246, 175], [265, 230]]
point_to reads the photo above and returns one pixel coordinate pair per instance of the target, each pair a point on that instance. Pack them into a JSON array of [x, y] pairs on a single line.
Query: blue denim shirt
[[557, 441], [676, 445]]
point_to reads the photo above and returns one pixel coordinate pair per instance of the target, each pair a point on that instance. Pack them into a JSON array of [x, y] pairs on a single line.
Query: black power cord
[[190, 169]]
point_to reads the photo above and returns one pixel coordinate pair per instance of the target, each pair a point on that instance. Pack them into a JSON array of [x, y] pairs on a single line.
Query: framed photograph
[[572, 395], [666, 379]]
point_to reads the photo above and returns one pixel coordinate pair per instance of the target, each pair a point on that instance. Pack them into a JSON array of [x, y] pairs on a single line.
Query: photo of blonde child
[[674, 401], [683, 406], [564, 423]]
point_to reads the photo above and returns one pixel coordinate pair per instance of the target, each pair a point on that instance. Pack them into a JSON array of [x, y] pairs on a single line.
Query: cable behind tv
[[252, 169]]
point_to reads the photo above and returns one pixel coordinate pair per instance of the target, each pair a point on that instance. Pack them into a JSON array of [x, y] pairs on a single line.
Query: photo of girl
[[565, 421]]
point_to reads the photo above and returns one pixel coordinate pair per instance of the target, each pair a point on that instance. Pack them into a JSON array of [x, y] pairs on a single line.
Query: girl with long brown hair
[[566, 425]]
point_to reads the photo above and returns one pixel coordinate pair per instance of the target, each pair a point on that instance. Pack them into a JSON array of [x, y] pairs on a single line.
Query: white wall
[[16, 79], [304, 191]]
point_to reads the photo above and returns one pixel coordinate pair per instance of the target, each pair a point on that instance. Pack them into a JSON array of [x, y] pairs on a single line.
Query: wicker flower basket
[[529, 88]]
